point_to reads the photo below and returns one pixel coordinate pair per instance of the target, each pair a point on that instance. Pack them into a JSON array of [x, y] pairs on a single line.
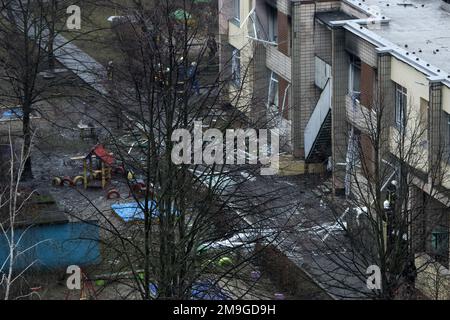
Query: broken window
[[400, 106], [236, 68], [237, 10], [273, 25], [440, 242], [273, 99], [355, 77]]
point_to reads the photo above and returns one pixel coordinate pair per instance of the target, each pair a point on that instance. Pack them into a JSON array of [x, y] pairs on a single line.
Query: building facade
[[338, 73]]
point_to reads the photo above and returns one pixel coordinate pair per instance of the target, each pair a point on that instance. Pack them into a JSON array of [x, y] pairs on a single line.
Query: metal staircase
[[318, 129]]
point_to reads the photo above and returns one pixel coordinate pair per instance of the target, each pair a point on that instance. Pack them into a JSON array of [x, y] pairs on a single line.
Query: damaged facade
[[327, 69]]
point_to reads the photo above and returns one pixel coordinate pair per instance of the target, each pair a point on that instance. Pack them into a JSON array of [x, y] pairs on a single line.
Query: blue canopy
[[133, 211]]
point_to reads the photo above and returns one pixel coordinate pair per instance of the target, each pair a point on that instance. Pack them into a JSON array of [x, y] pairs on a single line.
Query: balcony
[[278, 62], [358, 115]]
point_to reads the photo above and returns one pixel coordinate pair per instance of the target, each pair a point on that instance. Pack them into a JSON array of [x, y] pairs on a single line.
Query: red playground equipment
[[97, 167]]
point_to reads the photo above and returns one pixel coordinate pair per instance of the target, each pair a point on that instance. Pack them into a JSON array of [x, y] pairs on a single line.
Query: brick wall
[[339, 136], [284, 6], [361, 48], [304, 92], [322, 40], [261, 84], [283, 33], [367, 85], [436, 127]]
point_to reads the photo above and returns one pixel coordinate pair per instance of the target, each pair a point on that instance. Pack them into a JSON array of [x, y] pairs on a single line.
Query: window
[[439, 242], [424, 113], [355, 77], [237, 10], [236, 68], [273, 99], [424, 110], [400, 106], [273, 25]]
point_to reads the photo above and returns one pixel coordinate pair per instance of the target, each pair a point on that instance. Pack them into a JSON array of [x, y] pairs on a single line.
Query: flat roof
[[420, 27], [328, 16]]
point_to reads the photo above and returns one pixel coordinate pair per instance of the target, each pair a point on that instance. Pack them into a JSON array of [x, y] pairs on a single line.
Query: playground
[[77, 202]]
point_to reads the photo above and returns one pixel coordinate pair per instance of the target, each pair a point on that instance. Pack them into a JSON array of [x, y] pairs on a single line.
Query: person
[[192, 74], [110, 70], [181, 70], [212, 46]]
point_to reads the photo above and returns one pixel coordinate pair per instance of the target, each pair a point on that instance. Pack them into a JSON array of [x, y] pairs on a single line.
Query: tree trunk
[[27, 170]]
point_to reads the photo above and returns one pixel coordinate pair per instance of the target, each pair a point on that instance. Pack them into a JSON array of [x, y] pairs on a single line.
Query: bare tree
[[196, 221], [13, 209], [27, 47], [381, 223]]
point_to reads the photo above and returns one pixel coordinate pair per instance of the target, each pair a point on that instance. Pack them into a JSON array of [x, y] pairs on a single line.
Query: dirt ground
[[56, 142]]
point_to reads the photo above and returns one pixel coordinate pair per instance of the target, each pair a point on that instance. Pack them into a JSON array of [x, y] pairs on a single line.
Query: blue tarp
[[60, 245], [133, 211], [206, 290], [201, 290], [14, 113]]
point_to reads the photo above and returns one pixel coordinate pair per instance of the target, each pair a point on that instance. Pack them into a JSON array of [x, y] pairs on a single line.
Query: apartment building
[[328, 69]]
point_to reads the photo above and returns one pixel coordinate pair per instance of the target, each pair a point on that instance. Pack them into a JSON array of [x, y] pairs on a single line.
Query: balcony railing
[[358, 115]]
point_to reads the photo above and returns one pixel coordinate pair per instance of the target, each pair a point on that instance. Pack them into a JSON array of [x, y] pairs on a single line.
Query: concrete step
[[290, 166]]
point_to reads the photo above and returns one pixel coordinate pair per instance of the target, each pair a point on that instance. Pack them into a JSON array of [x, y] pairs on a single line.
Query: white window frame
[[273, 94], [400, 105]]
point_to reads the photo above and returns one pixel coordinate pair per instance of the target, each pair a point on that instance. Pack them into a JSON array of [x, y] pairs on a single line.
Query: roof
[[100, 152], [415, 30], [420, 26], [40, 209]]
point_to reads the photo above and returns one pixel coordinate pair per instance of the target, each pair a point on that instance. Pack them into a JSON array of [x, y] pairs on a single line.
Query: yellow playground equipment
[[97, 167]]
